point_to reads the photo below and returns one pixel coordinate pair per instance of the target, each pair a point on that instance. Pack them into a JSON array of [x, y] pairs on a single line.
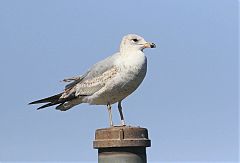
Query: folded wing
[[89, 83]]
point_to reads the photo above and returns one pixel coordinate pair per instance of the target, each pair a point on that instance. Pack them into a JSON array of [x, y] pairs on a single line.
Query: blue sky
[[188, 100]]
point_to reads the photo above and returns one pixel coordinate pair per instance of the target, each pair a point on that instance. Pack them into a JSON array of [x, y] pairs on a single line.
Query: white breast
[[131, 72]]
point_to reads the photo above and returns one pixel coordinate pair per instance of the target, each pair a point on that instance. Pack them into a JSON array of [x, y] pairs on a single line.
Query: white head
[[133, 42]]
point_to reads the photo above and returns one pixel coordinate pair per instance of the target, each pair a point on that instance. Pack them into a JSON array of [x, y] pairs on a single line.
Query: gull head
[[133, 42]]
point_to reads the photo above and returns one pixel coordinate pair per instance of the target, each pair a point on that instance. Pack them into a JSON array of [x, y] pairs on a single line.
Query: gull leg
[[121, 113], [110, 114]]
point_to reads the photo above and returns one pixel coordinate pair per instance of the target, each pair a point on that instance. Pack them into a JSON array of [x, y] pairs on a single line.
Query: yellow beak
[[149, 45]]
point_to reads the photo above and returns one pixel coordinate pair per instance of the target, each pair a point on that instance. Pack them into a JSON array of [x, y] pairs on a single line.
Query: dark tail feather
[[52, 99], [48, 104]]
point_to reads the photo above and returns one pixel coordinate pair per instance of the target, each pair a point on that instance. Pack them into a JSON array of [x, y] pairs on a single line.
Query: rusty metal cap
[[124, 136]]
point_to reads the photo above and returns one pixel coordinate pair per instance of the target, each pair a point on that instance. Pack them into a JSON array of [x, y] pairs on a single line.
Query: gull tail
[[69, 104], [65, 103], [52, 100]]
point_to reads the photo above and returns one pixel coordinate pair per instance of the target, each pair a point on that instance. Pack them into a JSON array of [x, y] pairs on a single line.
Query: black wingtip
[[48, 105], [52, 99]]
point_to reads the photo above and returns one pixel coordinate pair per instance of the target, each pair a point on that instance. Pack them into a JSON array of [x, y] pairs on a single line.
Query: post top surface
[[121, 136]]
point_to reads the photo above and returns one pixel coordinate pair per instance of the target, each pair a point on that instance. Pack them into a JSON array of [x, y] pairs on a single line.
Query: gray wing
[[101, 67], [91, 81], [74, 80]]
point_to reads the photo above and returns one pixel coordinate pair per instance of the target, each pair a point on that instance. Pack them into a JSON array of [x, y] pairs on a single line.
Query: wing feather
[[85, 85], [93, 80]]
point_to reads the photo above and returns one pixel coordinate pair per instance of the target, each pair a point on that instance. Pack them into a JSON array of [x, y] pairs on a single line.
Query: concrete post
[[121, 144]]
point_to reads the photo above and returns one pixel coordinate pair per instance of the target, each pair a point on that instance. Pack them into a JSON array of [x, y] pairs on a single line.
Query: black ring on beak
[[152, 45]]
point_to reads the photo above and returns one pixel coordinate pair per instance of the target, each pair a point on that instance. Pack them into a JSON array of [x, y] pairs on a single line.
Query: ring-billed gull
[[108, 81]]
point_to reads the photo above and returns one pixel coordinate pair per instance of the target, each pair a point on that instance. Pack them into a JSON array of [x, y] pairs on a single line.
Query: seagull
[[108, 81]]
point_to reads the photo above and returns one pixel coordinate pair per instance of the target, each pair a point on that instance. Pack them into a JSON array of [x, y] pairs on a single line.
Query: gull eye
[[135, 40]]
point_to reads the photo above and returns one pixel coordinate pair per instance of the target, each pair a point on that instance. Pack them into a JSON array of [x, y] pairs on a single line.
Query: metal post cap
[[123, 136]]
